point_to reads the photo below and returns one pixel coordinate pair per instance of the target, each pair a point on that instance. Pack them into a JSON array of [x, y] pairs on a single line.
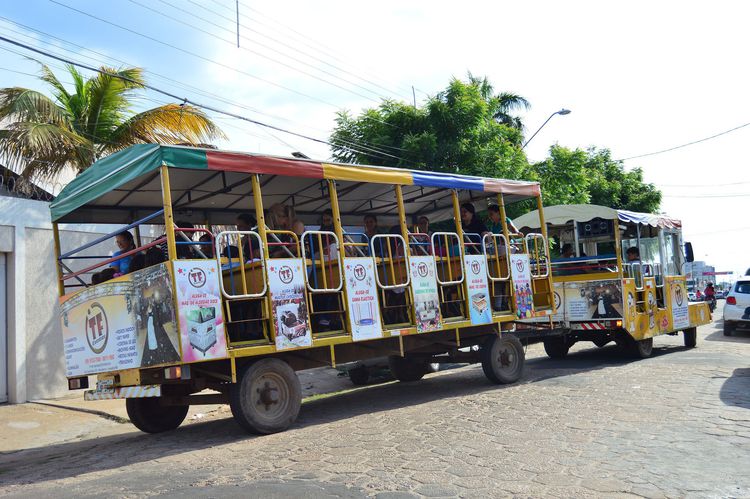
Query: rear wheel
[[556, 347], [503, 359], [267, 397], [642, 349], [150, 416], [407, 368], [691, 337], [728, 328]]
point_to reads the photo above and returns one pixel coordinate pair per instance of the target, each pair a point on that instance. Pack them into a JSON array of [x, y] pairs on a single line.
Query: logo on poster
[[558, 301], [519, 265], [359, 272], [678, 297], [197, 277], [97, 328], [475, 267], [286, 274], [422, 269]]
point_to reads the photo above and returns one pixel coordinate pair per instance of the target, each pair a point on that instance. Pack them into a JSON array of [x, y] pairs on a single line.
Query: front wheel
[[691, 337], [642, 349], [267, 397], [150, 416], [503, 359]]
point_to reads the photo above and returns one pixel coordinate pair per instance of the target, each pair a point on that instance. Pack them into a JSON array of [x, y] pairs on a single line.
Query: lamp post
[[561, 112]]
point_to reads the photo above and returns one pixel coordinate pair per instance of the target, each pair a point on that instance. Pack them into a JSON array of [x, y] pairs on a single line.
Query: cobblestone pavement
[[594, 425]]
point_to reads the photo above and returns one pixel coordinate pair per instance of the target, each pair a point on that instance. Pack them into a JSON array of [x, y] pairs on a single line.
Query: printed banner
[[124, 323], [199, 310], [362, 296], [475, 270], [98, 329], [593, 300], [286, 286], [521, 276], [426, 298], [155, 322], [680, 309]]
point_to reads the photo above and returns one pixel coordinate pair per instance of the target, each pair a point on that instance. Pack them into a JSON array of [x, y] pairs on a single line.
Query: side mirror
[[689, 253]]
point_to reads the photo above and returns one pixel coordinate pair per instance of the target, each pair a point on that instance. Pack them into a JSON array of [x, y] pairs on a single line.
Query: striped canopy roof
[[212, 180]]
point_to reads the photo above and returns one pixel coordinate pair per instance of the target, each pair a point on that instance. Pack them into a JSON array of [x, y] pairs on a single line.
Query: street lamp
[[561, 112]]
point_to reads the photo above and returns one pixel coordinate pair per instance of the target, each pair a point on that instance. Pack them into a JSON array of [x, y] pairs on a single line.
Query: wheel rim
[[506, 358], [269, 396]]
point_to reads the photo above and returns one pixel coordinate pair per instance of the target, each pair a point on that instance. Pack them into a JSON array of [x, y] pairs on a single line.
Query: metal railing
[[390, 245], [323, 253], [443, 244], [238, 235], [539, 262], [495, 247]]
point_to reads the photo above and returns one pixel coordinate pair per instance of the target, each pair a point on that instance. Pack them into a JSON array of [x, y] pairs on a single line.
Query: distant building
[[695, 272]]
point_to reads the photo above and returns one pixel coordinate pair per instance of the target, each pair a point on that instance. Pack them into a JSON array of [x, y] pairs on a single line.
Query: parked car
[[691, 296], [737, 307], [720, 294]]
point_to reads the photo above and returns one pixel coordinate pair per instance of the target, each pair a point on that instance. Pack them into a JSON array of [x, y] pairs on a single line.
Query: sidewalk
[[70, 418]]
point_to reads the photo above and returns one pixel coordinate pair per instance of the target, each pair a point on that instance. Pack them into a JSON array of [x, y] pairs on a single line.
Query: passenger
[[280, 217], [250, 246], [326, 221], [472, 225], [496, 225], [423, 225], [371, 230], [633, 255], [207, 246], [567, 251], [104, 275], [125, 242], [184, 251]]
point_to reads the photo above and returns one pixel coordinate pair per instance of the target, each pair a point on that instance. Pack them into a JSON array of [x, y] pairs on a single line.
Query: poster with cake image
[[286, 287], [475, 270], [426, 298], [156, 325], [521, 276], [362, 297], [199, 310]]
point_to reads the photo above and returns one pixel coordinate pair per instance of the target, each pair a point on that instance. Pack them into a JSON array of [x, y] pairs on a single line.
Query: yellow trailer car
[[263, 269], [618, 276]]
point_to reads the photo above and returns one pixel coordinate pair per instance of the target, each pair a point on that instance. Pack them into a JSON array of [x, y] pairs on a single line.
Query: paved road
[[596, 424]]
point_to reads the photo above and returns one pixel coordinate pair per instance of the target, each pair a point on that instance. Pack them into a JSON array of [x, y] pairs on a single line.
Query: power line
[[688, 144], [188, 101], [376, 150], [704, 185]]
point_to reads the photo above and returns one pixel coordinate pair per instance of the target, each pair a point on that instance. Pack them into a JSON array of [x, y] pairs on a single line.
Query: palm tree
[[503, 104], [41, 136]]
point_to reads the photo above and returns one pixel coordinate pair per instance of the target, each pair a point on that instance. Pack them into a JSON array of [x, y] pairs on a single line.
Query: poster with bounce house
[[286, 286], [521, 276], [199, 310], [362, 297], [475, 270]]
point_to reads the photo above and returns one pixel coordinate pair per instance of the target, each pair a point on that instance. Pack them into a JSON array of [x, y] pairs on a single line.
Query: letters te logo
[[286, 274], [197, 277], [359, 272], [97, 328], [475, 267], [422, 269]]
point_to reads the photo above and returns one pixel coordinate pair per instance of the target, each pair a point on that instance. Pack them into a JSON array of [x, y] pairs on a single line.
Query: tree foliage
[[469, 128], [42, 135]]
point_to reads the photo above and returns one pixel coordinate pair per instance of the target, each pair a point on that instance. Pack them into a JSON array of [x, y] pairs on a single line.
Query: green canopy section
[[120, 168]]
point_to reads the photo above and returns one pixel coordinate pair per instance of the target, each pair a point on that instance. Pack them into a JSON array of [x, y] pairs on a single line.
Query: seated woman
[[125, 243], [281, 217]]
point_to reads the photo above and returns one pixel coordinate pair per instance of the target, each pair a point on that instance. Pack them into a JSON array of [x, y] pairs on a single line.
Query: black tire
[[728, 328], [150, 416], [690, 336], [407, 369], [433, 367], [556, 347], [267, 397], [503, 359], [641, 349], [359, 376]]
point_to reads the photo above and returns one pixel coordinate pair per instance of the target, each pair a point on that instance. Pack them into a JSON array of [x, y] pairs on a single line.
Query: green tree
[[43, 135], [466, 128], [592, 176]]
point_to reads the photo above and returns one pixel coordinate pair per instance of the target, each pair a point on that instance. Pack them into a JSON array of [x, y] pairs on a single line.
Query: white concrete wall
[[36, 364]]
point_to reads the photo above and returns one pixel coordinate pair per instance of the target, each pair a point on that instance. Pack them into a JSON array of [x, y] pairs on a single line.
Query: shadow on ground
[[107, 453], [736, 389]]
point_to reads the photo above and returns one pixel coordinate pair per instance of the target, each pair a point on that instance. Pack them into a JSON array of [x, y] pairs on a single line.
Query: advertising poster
[[98, 330], [593, 300], [286, 287], [362, 295], [201, 317], [479, 293], [426, 298], [630, 312], [521, 276], [680, 310], [155, 319], [559, 296]]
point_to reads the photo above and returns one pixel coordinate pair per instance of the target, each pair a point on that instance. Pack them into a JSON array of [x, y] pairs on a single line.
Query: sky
[[639, 77]]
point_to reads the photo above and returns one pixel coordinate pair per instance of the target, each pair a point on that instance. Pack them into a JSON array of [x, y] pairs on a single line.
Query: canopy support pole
[[168, 219], [58, 268]]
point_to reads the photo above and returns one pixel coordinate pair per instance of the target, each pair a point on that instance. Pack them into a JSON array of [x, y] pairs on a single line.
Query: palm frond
[[47, 76], [169, 124], [22, 104]]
